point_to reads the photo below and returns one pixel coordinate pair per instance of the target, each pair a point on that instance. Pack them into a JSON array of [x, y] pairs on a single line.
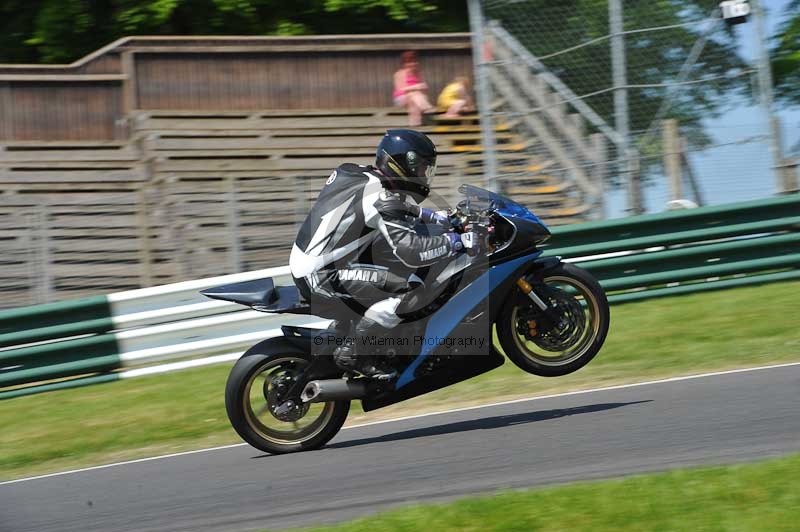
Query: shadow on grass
[[483, 424]]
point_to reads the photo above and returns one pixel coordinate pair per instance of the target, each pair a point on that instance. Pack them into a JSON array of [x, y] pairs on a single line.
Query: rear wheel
[[266, 417], [552, 348]]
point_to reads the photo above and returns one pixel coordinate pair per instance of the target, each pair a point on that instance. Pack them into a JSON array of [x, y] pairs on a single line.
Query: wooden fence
[[160, 159], [93, 98], [208, 193]]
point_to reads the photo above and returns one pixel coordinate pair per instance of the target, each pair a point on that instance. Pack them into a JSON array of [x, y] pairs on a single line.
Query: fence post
[[786, 168], [600, 149], [7, 125], [174, 230], [791, 183], [635, 182], [233, 225], [620, 85], [765, 93], [483, 88], [129, 91], [145, 246], [28, 240], [46, 279], [672, 157], [687, 167]]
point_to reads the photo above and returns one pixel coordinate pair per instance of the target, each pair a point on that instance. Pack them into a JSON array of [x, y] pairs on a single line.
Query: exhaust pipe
[[332, 390]]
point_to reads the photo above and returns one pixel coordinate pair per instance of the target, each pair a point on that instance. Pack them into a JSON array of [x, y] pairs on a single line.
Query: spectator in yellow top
[[455, 98]]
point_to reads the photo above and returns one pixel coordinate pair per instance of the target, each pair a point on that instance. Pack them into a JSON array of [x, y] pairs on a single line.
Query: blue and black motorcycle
[[550, 318]]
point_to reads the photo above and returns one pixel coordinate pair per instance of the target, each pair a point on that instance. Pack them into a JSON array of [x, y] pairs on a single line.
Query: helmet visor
[[430, 172]]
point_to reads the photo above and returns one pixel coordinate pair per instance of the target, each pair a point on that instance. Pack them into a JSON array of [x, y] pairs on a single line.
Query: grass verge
[[185, 410], [741, 498]]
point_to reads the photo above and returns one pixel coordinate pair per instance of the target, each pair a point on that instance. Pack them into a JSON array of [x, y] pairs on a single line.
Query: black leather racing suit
[[354, 250]]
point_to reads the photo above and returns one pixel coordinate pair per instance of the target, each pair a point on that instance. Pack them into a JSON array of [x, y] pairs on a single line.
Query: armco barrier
[[122, 335], [98, 336]]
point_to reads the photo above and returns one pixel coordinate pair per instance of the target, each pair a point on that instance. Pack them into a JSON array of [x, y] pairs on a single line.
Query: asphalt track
[[715, 419]]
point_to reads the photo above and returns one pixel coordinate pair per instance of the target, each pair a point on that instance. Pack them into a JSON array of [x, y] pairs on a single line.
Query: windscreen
[[478, 199]]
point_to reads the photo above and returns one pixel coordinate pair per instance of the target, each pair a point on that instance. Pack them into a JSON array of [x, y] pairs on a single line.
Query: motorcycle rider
[[359, 246]]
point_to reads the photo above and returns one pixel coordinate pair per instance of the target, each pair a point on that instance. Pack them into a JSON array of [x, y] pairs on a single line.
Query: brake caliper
[[281, 409], [527, 325]]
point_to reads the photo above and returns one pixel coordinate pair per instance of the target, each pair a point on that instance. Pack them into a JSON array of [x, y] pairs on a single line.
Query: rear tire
[[252, 392], [539, 355]]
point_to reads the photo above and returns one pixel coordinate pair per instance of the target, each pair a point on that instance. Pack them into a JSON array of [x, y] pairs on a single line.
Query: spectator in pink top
[[410, 91]]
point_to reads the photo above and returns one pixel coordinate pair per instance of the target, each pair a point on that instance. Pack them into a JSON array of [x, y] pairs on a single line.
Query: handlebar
[[483, 224]]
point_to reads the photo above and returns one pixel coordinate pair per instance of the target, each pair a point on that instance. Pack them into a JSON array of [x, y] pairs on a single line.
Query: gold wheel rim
[[260, 418], [547, 358]]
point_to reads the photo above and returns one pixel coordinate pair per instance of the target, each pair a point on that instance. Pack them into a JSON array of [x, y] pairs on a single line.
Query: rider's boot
[[348, 358]]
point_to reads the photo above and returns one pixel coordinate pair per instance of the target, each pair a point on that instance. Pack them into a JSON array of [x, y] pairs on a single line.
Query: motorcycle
[[550, 318]]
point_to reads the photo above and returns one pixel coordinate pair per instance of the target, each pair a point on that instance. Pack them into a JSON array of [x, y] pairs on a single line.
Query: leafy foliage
[[57, 31], [17, 22], [397, 10], [786, 55]]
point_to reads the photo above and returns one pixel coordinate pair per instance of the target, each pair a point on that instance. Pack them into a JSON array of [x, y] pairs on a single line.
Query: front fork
[[527, 289], [545, 319]]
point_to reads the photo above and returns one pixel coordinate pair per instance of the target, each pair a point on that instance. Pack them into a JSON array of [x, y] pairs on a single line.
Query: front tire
[[583, 311], [253, 392]]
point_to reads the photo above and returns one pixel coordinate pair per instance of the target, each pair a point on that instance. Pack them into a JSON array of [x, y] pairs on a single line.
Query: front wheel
[[564, 341], [258, 407]]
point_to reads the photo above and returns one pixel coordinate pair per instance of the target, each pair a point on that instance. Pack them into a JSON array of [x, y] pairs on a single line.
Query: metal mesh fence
[[621, 71]]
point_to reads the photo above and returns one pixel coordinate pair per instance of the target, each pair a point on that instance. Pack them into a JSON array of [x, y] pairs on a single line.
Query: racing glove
[[429, 216], [464, 242], [393, 207]]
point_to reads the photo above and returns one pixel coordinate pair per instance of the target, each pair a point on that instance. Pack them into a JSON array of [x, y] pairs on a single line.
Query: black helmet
[[407, 159]]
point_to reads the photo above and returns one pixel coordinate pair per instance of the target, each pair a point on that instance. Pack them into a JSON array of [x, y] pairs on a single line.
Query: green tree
[[17, 20], [57, 31], [786, 55]]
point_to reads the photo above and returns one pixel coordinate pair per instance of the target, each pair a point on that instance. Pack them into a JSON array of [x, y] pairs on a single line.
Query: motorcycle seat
[[249, 293], [261, 294]]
